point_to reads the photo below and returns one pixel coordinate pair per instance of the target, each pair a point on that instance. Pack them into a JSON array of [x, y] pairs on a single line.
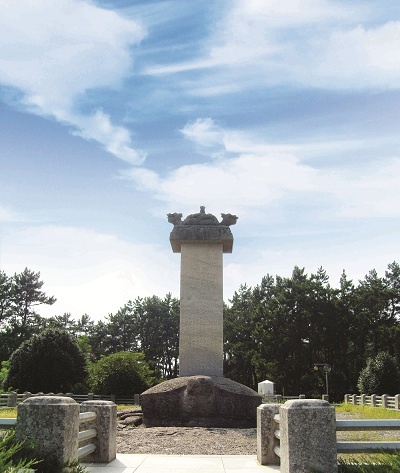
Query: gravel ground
[[211, 441], [187, 441]]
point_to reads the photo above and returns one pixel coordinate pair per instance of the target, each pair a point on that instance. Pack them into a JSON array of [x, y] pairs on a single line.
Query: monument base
[[200, 401]]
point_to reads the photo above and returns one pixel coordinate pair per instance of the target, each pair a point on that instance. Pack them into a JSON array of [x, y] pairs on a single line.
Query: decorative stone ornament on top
[[202, 218], [200, 227]]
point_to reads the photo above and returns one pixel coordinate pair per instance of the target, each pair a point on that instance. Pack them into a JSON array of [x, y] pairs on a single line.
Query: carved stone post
[[308, 437], [266, 440], [12, 399], [52, 424], [106, 426]]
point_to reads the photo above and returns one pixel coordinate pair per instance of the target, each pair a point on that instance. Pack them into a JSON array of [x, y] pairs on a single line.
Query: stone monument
[[201, 396]]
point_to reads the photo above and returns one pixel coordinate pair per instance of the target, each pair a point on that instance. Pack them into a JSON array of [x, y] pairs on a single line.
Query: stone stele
[[201, 396]]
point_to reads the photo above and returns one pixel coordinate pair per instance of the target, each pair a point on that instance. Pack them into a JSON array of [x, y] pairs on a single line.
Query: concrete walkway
[[142, 463]]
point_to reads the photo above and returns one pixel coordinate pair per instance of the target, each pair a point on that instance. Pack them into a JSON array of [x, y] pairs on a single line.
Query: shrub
[[4, 368], [11, 459], [123, 373], [48, 362], [380, 376]]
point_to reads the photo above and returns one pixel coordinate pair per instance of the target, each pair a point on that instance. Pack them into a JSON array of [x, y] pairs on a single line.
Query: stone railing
[[12, 399], [7, 423], [300, 436], [280, 399], [61, 428], [366, 425], [388, 402]]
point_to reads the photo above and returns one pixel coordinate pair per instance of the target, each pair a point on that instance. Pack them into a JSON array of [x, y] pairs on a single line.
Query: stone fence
[[53, 423], [280, 399], [300, 436], [388, 402], [12, 399]]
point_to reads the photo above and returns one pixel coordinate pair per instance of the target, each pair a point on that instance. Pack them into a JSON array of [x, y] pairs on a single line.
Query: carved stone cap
[[201, 228]]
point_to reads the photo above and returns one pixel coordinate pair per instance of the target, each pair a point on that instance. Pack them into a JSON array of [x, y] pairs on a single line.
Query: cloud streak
[[250, 176], [95, 272], [55, 52], [314, 44]]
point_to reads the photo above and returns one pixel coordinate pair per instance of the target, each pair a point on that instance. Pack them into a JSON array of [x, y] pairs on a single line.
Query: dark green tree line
[[20, 294], [276, 330], [279, 329]]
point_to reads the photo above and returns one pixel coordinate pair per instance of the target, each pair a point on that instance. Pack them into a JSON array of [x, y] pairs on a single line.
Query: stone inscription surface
[[201, 320]]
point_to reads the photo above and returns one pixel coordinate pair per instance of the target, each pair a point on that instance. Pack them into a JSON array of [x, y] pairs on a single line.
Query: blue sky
[[114, 113]]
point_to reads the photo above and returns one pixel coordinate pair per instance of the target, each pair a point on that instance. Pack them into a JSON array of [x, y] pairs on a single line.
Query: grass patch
[[9, 413], [368, 412], [377, 463], [384, 462], [125, 407]]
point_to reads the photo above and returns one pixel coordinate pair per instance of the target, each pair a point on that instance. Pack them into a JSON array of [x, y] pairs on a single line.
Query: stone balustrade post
[[136, 399], [363, 399], [26, 395], [373, 400], [385, 400], [308, 437], [266, 440], [90, 397], [354, 396], [52, 424], [12, 399], [302, 396], [397, 401], [325, 397], [106, 426], [347, 398]]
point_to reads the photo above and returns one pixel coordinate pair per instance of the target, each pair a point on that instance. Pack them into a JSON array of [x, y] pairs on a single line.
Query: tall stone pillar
[[201, 240], [201, 396]]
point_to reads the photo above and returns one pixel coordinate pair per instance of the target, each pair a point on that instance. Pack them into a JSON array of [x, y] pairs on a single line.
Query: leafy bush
[[50, 362], [380, 376], [123, 373], [4, 368], [16, 456], [10, 454]]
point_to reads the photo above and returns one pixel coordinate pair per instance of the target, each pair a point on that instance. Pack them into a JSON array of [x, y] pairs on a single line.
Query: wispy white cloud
[[204, 132], [9, 215], [253, 175], [54, 52], [361, 57], [88, 271], [115, 139], [318, 43], [368, 191]]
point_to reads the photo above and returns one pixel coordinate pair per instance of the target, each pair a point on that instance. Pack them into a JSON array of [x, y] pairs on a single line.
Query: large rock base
[[200, 401]]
